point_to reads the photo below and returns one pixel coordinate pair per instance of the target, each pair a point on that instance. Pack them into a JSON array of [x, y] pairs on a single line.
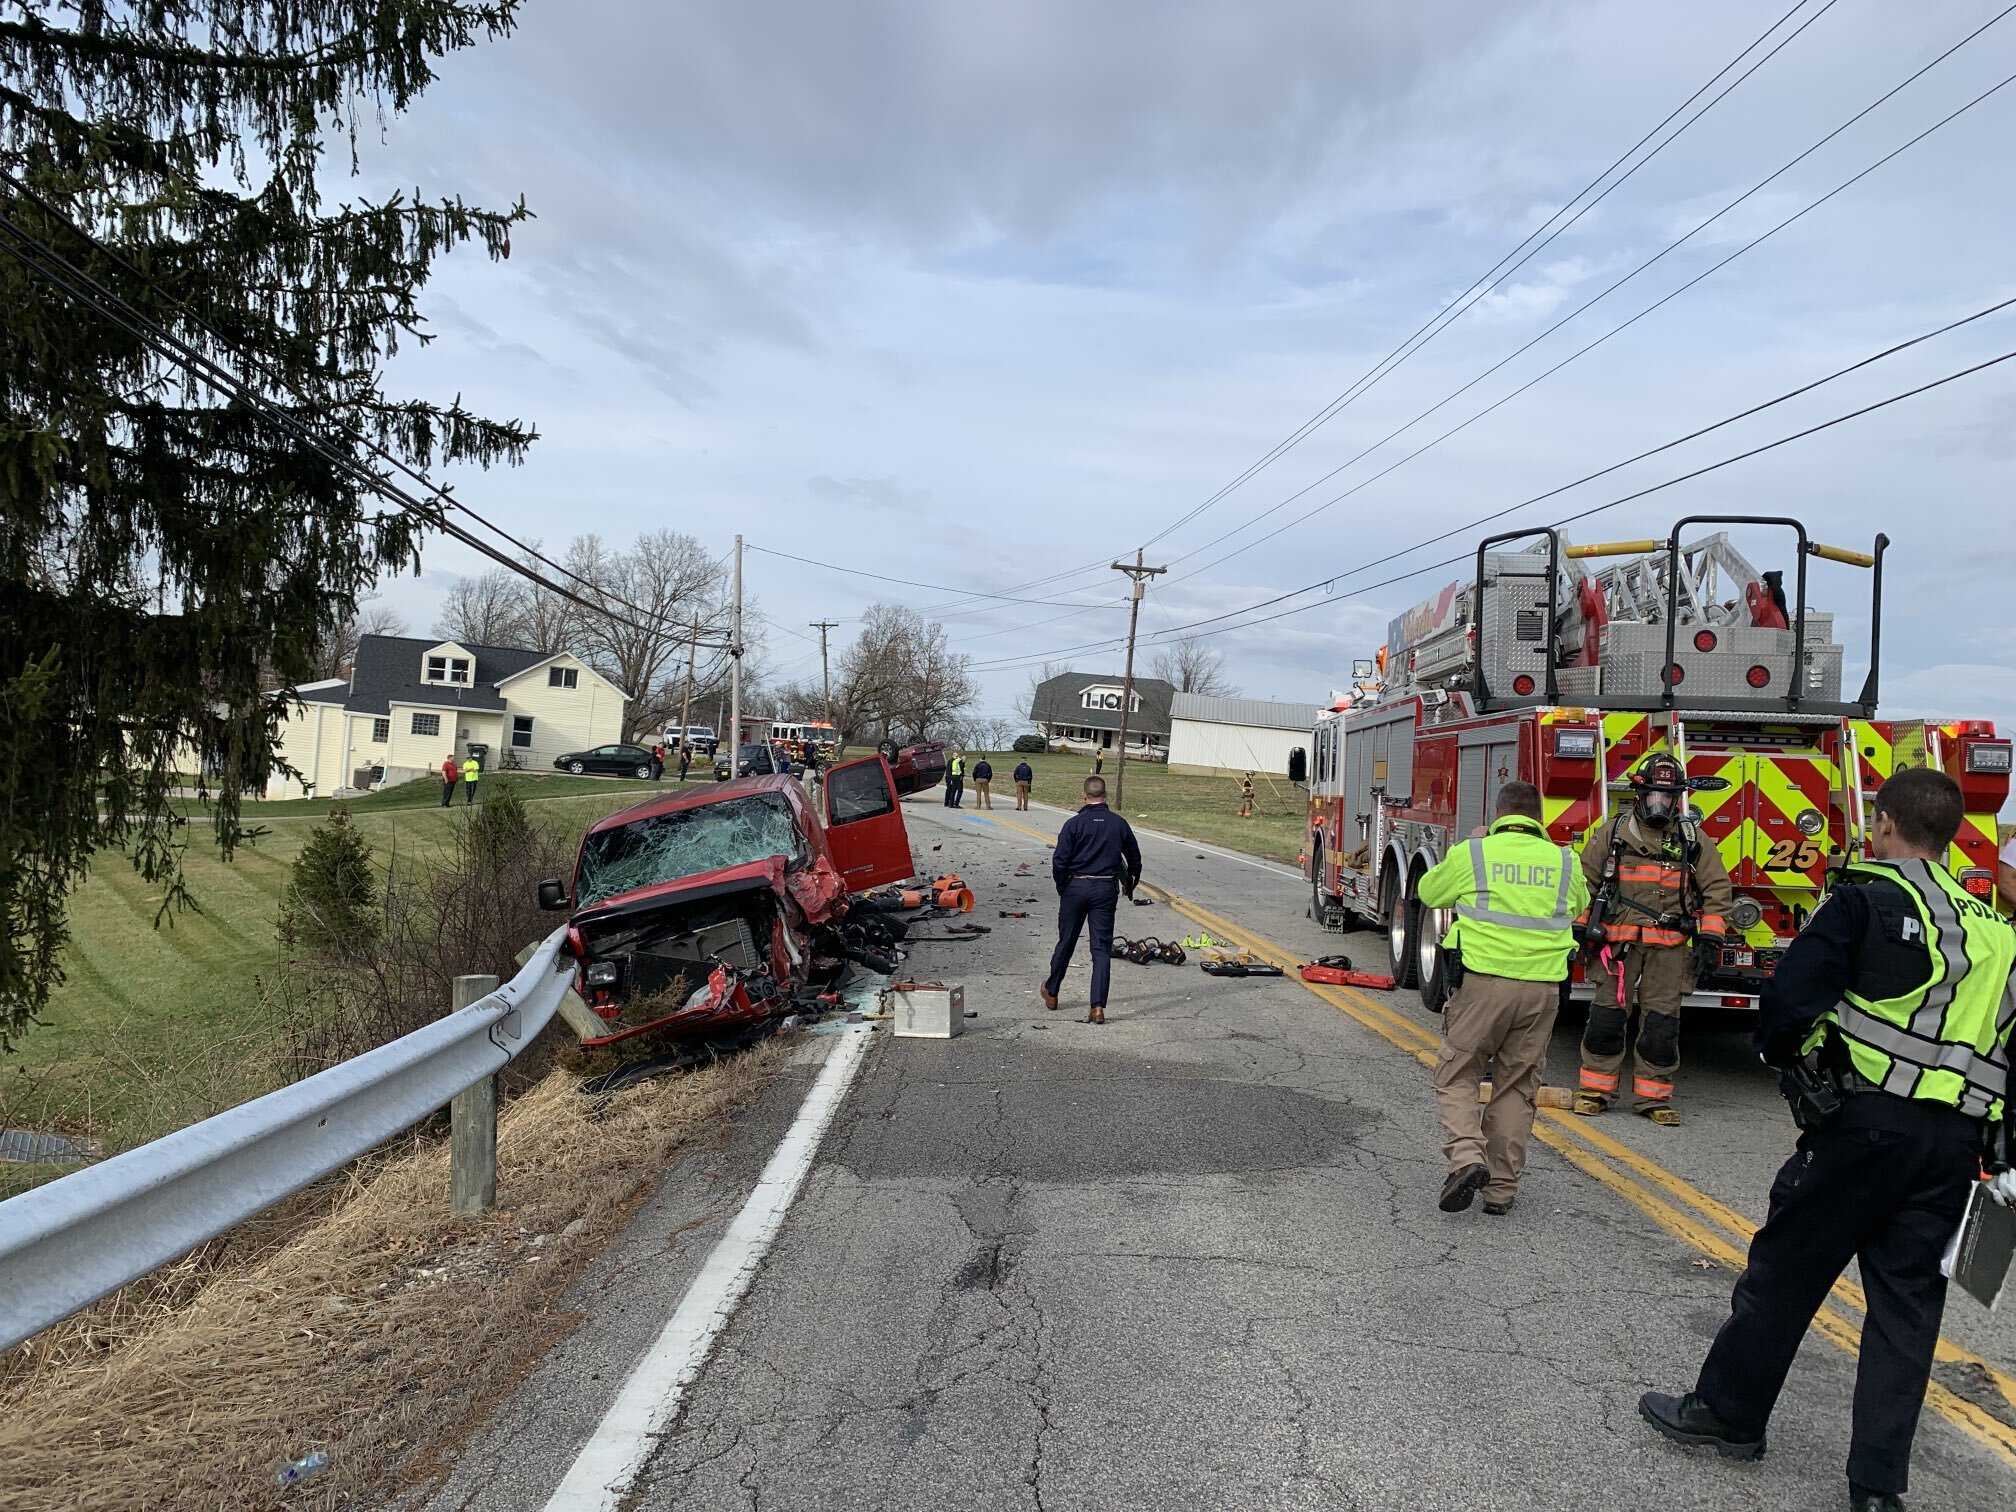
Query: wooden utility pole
[[825, 672], [686, 703], [735, 669], [1140, 576]]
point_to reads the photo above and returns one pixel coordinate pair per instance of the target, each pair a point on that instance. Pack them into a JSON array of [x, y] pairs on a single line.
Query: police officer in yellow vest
[[1890, 1019], [1516, 894]]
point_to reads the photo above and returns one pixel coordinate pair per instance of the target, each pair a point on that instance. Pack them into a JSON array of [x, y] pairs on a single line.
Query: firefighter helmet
[[1659, 782]]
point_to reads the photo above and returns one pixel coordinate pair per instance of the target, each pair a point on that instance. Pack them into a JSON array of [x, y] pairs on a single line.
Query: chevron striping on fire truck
[[1540, 670]]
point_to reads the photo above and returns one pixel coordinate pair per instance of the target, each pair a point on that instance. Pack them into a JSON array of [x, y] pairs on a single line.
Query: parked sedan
[[608, 760], [755, 761]]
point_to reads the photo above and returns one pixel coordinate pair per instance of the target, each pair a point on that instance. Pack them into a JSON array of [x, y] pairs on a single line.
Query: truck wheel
[[1319, 905], [1431, 961], [1400, 927]]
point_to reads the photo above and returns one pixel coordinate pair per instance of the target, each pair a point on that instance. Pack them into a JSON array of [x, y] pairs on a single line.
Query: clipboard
[[1979, 1254]]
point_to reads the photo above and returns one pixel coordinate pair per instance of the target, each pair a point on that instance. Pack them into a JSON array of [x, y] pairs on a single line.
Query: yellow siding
[[312, 739], [563, 719], [406, 755]]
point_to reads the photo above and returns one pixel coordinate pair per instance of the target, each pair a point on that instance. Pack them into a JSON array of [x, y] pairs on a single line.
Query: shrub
[[330, 907], [1031, 745]]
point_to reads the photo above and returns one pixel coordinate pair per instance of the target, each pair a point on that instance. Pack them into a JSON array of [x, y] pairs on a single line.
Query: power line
[[1586, 305], [912, 583], [354, 435], [1570, 519], [1450, 313]]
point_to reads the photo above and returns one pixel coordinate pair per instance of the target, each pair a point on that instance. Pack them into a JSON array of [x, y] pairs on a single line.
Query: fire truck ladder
[[1713, 575]]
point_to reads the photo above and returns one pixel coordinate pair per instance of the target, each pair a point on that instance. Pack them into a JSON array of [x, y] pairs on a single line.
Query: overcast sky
[[975, 294]]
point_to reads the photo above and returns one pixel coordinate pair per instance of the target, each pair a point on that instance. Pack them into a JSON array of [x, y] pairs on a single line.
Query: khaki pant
[[1656, 978], [1021, 795], [1503, 1024], [983, 790]]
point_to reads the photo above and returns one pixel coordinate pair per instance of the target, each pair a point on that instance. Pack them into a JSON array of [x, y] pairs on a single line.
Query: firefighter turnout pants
[[1503, 1024], [1884, 1184], [1650, 982]]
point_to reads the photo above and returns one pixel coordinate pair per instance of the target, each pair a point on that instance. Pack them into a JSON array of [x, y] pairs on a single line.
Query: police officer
[[472, 773], [1096, 859], [955, 781], [1516, 894], [1890, 1016], [1663, 888]]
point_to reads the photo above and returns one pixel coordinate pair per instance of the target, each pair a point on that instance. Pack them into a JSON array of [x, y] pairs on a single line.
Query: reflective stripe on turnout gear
[[1646, 1087], [1598, 1081], [1944, 1040]]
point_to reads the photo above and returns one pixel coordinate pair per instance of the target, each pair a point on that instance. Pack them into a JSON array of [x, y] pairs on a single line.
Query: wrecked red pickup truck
[[716, 905], [915, 767]]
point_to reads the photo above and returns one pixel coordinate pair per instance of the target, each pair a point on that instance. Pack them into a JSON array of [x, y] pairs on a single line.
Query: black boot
[[1862, 1499], [1689, 1420], [1461, 1189]]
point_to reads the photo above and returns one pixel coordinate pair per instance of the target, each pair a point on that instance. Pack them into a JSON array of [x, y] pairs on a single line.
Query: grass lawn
[[156, 1028], [1197, 808]]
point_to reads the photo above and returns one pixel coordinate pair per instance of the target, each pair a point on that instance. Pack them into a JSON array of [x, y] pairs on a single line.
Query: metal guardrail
[[68, 1243]]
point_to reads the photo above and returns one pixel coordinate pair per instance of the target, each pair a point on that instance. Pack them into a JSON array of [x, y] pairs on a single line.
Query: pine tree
[[330, 907], [169, 556]]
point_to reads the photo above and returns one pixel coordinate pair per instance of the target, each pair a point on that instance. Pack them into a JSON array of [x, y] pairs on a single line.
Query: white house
[[1235, 734], [410, 703]]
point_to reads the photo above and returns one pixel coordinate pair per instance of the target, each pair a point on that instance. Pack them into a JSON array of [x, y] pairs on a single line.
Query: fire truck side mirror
[[1361, 671], [1298, 765]]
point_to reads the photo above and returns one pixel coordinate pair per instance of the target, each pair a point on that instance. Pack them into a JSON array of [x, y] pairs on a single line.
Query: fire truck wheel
[[1400, 926]]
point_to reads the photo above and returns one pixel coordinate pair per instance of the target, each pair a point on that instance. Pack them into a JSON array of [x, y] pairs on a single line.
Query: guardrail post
[[472, 1118]]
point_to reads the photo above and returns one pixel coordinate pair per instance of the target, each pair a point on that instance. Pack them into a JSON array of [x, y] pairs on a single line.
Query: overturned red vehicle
[[716, 905]]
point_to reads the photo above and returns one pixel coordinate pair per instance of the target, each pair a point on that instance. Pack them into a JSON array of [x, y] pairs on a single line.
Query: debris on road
[[1337, 971], [926, 1010], [296, 1471]]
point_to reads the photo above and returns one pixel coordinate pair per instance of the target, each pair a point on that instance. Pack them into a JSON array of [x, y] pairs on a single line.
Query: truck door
[[864, 825]]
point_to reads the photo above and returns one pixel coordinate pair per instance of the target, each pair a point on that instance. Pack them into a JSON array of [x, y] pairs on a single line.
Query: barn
[[1210, 734]]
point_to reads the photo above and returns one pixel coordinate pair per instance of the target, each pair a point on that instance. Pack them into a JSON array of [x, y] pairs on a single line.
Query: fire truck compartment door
[[1779, 820], [1482, 769]]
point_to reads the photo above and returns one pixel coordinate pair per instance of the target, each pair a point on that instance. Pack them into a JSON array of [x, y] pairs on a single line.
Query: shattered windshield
[[683, 843]]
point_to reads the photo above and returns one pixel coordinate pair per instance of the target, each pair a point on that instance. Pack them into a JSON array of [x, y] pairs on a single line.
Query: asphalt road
[[1192, 1259]]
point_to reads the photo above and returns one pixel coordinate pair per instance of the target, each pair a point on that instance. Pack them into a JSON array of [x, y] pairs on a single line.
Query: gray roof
[[388, 671], [1057, 703], [1257, 712]]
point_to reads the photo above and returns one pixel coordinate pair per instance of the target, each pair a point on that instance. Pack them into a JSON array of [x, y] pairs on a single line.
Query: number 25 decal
[[1792, 855]]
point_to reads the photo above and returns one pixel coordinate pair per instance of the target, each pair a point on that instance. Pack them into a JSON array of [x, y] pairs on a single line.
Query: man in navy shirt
[[1096, 859]]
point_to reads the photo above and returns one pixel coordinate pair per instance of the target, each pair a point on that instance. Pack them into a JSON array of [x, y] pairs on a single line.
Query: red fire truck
[[1540, 671]]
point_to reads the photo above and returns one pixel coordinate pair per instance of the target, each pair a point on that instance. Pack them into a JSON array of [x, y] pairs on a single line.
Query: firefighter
[[1658, 888], [1515, 894], [1246, 796], [1889, 1018]]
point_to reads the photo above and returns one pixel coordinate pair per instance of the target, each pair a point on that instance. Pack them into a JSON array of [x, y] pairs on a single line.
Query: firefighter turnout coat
[[1669, 874], [1515, 894]]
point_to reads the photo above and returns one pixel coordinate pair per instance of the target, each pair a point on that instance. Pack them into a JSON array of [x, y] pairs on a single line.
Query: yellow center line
[[1584, 1148], [1560, 1133]]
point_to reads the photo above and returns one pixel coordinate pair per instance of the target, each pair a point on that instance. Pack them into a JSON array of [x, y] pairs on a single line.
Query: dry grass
[[365, 1321]]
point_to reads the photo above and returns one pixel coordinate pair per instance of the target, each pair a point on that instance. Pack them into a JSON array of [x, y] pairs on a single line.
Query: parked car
[[756, 761], [609, 760], [916, 767], [701, 737], [713, 907]]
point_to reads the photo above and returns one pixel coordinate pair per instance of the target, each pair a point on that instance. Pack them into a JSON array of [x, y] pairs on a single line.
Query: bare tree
[[485, 610], [646, 599], [1189, 667], [337, 653], [546, 619], [899, 677]]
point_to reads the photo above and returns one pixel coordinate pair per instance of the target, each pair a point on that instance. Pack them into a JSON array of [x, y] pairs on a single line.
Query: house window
[[426, 724], [448, 669], [381, 731], [562, 677], [521, 730]]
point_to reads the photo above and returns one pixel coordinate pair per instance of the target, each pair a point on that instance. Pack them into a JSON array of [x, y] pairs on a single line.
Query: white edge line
[[609, 1463]]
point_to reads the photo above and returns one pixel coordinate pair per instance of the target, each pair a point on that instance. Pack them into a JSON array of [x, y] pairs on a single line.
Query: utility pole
[[1140, 576], [686, 703], [735, 668], [825, 672]]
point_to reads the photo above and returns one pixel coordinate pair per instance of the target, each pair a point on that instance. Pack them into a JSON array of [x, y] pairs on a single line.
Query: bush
[[1031, 745], [330, 907], [467, 908]]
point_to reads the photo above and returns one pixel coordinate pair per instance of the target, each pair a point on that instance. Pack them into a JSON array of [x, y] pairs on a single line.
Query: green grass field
[[1197, 808], [155, 1028]]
